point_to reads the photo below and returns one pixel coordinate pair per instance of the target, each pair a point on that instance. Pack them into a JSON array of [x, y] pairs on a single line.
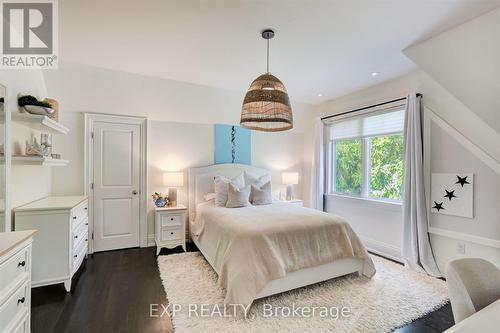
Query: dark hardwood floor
[[113, 291]]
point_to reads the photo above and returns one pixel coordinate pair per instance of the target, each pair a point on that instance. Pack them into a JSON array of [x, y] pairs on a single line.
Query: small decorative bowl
[[160, 203]]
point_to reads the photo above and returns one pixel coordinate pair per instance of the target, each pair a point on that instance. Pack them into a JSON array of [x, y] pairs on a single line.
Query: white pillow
[[238, 197], [209, 196], [221, 187], [262, 195], [257, 181]]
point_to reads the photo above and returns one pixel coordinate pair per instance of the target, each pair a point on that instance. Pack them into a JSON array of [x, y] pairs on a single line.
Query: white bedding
[[251, 246]]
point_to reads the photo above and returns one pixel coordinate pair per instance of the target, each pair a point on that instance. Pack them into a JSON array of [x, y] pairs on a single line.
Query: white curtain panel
[[417, 251], [318, 166]]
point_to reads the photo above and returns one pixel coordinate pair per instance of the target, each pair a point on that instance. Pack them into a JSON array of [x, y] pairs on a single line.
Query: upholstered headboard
[[201, 180]]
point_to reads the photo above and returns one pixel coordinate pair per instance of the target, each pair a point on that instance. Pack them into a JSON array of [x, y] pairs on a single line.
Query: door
[[116, 170]]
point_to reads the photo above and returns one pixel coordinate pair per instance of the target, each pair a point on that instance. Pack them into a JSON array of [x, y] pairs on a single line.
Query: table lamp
[[173, 180], [290, 179]]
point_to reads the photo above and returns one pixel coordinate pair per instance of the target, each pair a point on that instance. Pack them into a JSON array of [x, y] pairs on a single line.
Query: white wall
[[465, 115], [180, 125]]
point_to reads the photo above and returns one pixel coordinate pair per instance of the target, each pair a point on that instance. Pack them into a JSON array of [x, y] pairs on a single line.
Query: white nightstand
[[170, 227], [297, 202]]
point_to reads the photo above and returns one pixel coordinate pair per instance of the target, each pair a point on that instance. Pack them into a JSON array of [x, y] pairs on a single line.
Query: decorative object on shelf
[[266, 106], [2, 101], [44, 148], [290, 179], [233, 144], [32, 105], [55, 106], [173, 180], [452, 194], [56, 156], [160, 200]]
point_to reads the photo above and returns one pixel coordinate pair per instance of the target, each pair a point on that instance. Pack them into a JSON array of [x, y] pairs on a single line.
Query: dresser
[[170, 227], [61, 242], [15, 280]]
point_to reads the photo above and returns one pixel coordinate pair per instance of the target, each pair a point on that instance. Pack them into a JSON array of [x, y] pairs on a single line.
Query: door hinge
[[92, 135], [92, 235], [91, 186]]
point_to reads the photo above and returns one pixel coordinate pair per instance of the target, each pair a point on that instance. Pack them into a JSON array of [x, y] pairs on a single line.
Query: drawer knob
[[76, 236], [171, 232], [171, 219], [74, 217], [21, 300], [87, 223], [75, 256], [21, 264], [86, 239], [86, 208]]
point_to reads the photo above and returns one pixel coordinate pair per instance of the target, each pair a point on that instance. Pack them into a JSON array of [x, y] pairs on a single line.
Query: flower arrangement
[[160, 200]]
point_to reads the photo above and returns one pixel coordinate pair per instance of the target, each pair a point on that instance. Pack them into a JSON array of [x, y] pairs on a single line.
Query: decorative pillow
[[221, 187], [257, 181], [262, 195], [238, 197], [209, 196]]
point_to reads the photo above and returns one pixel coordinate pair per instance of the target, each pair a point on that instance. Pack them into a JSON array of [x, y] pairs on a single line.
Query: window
[[366, 155]]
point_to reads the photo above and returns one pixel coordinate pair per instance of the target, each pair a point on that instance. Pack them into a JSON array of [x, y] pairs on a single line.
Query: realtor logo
[[29, 34]]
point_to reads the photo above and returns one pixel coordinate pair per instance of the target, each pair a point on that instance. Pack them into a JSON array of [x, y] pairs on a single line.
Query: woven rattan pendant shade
[[266, 106]]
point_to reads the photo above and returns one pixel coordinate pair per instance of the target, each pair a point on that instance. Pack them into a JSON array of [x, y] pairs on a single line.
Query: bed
[[260, 251]]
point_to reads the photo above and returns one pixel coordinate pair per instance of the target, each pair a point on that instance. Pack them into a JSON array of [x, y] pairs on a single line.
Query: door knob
[[134, 192]]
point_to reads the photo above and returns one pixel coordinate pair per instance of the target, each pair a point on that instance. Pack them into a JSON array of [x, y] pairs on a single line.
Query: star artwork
[[452, 194]]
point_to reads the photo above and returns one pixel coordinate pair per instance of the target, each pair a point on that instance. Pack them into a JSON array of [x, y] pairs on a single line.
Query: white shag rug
[[393, 297]]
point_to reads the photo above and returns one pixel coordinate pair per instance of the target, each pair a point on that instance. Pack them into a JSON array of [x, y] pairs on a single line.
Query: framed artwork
[[452, 194], [233, 144]]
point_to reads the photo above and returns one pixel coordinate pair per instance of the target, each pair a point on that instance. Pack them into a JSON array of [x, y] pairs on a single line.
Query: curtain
[[318, 166], [417, 251]]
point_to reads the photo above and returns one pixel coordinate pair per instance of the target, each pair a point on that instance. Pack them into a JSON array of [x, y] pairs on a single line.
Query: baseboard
[[151, 240], [383, 249]]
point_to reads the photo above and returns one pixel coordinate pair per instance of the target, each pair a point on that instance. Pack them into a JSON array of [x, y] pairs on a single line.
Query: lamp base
[[289, 192], [172, 196]]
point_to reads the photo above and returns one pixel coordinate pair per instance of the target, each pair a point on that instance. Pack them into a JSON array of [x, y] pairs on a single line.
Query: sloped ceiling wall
[[466, 62]]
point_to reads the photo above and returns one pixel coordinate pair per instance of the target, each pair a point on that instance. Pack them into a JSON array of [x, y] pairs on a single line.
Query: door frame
[[89, 119]]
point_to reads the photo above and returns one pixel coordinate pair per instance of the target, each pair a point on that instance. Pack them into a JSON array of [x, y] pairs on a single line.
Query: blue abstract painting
[[233, 144]]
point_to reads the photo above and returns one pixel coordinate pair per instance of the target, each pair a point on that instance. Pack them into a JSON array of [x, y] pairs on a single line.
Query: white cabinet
[[61, 243], [15, 281], [170, 227]]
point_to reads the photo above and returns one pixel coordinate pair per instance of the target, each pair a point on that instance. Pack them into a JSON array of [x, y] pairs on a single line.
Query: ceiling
[[321, 47]]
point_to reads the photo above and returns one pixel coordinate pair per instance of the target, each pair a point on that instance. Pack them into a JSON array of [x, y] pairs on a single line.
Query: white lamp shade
[[290, 178], [174, 179]]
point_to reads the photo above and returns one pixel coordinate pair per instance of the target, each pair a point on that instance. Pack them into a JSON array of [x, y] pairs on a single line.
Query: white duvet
[[251, 246]]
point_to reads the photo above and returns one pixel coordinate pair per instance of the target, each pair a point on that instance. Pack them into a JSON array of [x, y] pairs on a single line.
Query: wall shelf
[[35, 160], [39, 123]]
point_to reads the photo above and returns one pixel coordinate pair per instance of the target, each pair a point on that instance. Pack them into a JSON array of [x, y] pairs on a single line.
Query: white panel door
[[116, 169]]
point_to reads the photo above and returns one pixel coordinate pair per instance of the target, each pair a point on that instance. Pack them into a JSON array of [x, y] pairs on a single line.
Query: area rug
[[393, 297]]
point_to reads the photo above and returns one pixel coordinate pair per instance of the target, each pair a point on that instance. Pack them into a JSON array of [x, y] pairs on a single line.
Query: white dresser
[[15, 281], [61, 242], [170, 227]]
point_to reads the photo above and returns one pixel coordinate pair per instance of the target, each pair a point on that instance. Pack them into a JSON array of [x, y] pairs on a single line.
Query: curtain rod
[[367, 107]]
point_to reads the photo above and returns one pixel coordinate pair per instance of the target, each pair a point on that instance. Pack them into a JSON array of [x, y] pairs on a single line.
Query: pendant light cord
[[268, 56]]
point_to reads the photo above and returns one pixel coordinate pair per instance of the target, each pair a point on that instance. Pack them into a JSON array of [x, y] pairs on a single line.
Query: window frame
[[365, 168]]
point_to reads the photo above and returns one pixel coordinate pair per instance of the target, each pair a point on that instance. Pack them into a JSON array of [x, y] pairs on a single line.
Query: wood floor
[[113, 292]]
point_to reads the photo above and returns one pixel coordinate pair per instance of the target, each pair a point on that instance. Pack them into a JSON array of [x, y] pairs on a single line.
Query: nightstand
[[297, 202], [170, 227]]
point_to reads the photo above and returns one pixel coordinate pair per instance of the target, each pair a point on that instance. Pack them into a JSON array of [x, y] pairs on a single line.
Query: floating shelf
[[39, 123], [36, 160]]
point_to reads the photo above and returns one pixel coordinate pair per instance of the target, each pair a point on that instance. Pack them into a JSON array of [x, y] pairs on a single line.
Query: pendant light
[[266, 106]]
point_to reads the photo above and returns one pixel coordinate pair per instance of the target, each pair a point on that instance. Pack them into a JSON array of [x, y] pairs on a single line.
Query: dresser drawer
[[170, 220], [168, 234], [23, 325], [14, 269], [78, 254], [80, 234], [80, 212], [18, 303]]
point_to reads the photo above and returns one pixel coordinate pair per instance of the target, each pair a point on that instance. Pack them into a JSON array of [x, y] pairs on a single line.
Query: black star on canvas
[[438, 206], [450, 194], [462, 181]]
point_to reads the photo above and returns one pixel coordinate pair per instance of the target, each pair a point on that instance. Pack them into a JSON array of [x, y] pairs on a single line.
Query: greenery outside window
[[366, 156]]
